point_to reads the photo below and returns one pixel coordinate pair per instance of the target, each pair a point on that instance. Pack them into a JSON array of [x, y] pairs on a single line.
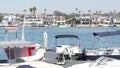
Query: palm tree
[[45, 11], [45, 16], [24, 12], [76, 10], [79, 16], [79, 13], [96, 12], [31, 10], [34, 10], [89, 11], [100, 11]]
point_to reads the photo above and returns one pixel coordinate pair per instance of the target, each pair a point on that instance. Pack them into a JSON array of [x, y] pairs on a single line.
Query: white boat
[[61, 23], [20, 49], [102, 62], [93, 54], [65, 52], [36, 64], [113, 52]]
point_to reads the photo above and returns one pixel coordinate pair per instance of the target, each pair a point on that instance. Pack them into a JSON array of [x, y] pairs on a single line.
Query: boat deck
[[51, 58]]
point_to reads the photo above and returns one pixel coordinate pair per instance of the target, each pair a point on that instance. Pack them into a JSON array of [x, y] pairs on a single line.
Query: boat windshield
[[3, 56], [102, 61]]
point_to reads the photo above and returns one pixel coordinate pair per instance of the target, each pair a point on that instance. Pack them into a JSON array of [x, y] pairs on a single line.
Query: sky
[[67, 6]]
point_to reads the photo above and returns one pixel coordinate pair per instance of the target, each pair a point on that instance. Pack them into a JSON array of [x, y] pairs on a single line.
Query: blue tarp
[[109, 33]]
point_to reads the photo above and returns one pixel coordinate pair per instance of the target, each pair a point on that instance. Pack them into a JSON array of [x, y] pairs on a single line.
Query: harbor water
[[87, 40]]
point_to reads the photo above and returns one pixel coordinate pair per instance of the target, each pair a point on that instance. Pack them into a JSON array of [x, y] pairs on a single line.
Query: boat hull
[[94, 57], [31, 53]]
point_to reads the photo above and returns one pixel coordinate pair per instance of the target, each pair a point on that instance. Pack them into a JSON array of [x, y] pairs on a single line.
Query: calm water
[[35, 35]]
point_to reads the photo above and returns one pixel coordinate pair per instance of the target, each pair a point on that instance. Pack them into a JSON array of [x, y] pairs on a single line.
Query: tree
[[100, 12], [96, 12], [58, 13], [34, 10], [79, 12], [76, 9], [24, 12], [1, 17], [89, 11], [45, 9], [31, 9]]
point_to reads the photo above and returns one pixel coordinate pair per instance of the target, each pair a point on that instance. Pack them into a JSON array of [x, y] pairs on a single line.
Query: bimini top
[[109, 33], [4, 44], [66, 36]]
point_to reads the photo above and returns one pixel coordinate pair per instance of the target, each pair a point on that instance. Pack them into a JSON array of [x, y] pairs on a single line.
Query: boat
[[67, 51], [35, 64], [19, 50], [113, 52], [102, 62], [61, 23]]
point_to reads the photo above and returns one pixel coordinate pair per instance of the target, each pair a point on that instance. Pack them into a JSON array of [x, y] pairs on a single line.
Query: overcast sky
[[67, 6]]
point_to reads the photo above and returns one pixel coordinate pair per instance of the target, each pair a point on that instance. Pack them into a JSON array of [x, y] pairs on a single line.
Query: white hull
[[39, 55], [36, 64], [102, 62]]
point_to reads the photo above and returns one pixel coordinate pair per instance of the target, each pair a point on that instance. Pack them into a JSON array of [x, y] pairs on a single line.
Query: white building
[[9, 20]]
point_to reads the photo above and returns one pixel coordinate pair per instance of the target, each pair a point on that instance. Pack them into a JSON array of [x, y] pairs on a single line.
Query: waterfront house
[[95, 20], [117, 21], [32, 21], [85, 20], [9, 20], [106, 21]]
